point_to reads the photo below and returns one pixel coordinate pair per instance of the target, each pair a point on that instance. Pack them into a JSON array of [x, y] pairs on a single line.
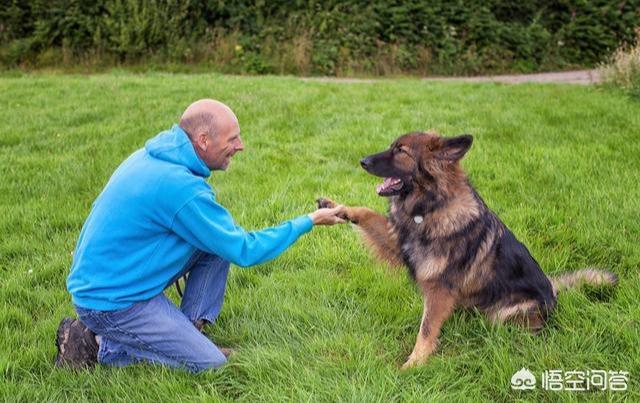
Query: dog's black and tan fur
[[456, 249]]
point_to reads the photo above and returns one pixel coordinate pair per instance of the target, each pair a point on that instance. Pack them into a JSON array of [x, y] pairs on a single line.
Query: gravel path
[[581, 77]]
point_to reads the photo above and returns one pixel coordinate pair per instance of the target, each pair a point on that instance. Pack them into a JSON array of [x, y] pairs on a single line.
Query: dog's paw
[[413, 362], [323, 202]]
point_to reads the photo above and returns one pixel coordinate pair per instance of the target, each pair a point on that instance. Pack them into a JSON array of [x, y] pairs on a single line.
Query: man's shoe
[[77, 346], [227, 351], [199, 324]]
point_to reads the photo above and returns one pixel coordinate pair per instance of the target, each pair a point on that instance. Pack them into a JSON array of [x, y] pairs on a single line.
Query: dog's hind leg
[[375, 229], [439, 302]]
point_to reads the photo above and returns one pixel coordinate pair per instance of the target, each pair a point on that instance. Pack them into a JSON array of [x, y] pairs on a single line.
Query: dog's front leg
[[375, 229], [439, 302]]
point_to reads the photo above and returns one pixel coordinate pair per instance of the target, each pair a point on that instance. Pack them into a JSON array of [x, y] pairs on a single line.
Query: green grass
[[559, 164]]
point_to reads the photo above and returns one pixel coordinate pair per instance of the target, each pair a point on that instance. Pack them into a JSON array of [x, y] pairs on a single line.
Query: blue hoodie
[[152, 215]]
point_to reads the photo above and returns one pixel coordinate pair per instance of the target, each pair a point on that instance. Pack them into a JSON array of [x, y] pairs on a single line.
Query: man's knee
[[210, 360]]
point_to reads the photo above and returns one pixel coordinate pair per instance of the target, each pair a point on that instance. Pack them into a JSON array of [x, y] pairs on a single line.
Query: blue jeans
[[156, 331]]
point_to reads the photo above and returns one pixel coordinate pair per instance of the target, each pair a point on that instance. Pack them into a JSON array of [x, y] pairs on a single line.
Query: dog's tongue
[[389, 183]]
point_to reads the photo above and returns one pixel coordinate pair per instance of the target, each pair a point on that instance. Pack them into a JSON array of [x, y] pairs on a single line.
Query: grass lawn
[[559, 164]]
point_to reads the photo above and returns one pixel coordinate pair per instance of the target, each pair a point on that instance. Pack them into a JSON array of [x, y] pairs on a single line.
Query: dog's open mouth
[[389, 187]]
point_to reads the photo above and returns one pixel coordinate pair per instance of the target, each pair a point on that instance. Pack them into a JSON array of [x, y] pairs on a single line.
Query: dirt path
[[582, 77]]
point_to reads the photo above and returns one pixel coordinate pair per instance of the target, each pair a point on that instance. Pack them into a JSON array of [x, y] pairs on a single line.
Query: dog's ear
[[454, 148]]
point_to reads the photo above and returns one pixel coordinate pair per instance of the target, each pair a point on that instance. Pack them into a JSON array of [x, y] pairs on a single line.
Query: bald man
[[156, 220]]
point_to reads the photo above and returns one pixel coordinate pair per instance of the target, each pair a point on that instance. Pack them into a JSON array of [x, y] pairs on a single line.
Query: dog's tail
[[574, 279]]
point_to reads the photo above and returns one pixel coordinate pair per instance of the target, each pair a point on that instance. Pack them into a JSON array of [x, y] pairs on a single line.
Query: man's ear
[[454, 148], [202, 141]]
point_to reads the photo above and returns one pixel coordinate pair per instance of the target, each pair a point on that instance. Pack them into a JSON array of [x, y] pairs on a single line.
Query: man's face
[[219, 148]]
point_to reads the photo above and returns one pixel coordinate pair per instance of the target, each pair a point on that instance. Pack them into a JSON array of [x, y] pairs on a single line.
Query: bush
[[330, 37], [623, 69]]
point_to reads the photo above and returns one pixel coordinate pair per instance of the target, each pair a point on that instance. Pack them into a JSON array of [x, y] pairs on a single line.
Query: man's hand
[[329, 216]]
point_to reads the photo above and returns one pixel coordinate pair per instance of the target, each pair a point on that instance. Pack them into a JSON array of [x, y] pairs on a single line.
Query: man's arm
[[208, 226]]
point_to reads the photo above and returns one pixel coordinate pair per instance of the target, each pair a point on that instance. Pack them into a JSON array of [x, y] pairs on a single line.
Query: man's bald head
[[214, 132], [206, 116]]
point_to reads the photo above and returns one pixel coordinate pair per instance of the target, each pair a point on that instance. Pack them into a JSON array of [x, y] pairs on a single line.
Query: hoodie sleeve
[[209, 227]]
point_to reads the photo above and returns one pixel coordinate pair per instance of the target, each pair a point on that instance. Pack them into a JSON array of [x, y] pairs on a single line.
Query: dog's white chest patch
[[418, 219]]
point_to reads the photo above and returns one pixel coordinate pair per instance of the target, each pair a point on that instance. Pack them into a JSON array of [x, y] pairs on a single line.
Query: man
[[157, 219]]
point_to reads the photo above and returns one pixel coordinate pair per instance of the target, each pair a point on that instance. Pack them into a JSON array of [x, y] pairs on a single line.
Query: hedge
[[318, 37]]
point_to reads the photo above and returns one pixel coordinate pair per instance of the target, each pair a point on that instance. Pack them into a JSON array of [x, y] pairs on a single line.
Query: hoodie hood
[[174, 146]]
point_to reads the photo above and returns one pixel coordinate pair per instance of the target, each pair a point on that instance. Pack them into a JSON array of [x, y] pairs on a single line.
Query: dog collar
[[418, 219]]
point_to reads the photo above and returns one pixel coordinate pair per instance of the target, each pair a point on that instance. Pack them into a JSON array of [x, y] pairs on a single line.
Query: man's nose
[[239, 146]]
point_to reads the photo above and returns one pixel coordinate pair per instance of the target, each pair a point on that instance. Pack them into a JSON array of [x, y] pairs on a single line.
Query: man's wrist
[[312, 218], [303, 223]]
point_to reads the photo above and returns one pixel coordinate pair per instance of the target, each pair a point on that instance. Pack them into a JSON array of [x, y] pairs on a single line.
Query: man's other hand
[[329, 216]]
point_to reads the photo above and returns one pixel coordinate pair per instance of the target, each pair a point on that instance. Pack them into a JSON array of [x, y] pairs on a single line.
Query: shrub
[[329, 37], [623, 68]]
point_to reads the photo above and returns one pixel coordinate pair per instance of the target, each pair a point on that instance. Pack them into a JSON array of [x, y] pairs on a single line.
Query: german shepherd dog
[[457, 250]]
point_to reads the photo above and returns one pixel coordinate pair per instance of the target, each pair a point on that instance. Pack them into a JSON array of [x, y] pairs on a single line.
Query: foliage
[[340, 37], [623, 68]]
